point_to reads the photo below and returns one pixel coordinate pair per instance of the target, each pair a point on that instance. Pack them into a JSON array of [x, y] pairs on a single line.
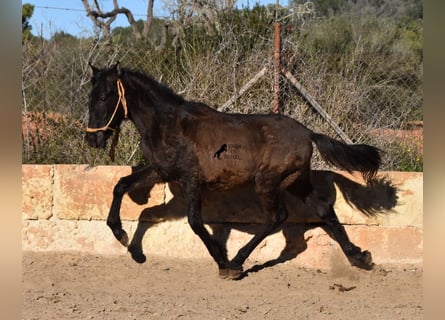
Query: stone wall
[[64, 207]]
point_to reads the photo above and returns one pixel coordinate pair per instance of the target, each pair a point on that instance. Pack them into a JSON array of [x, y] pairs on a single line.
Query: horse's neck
[[150, 118], [154, 107]]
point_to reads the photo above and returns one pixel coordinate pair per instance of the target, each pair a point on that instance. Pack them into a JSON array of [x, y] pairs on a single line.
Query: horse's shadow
[[240, 210], [295, 241]]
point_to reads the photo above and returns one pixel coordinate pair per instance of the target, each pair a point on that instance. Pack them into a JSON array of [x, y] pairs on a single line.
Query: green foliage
[[329, 7], [247, 27], [410, 34], [64, 39], [332, 38], [27, 12], [379, 55], [409, 158], [124, 35]]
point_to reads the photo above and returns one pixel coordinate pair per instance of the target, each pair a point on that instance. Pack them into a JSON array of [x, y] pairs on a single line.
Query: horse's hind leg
[[318, 192], [144, 176], [356, 257], [337, 232]]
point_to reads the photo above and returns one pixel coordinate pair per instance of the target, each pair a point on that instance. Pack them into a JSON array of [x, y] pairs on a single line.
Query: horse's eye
[[102, 97]]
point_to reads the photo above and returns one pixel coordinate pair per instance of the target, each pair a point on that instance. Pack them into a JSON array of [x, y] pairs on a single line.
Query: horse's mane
[[151, 86], [164, 92]]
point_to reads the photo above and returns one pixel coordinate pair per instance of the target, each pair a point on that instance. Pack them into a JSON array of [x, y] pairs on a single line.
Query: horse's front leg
[[145, 176]]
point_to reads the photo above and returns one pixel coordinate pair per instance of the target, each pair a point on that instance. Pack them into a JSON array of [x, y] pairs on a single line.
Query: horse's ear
[[118, 68], [93, 68]]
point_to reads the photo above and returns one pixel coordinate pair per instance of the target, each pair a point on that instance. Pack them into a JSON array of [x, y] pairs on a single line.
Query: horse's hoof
[[121, 236], [235, 274], [137, 254], [124, 239], [230, 273], [362, 260], [223, 273]]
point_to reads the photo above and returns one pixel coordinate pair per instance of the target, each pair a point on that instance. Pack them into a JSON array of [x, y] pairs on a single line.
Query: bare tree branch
[[103, 20], [149, 19]]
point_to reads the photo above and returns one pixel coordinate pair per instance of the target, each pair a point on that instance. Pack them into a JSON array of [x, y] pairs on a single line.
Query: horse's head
[[107, 105]]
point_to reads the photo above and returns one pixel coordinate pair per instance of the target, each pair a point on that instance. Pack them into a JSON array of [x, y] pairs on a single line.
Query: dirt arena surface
[[79, 286]]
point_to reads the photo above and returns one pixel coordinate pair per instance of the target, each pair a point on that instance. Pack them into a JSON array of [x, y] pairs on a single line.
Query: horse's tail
[[350, 157], [379, 195]]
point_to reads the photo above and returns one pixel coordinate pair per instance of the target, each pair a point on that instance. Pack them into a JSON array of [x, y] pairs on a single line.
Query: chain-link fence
[[365, 73]]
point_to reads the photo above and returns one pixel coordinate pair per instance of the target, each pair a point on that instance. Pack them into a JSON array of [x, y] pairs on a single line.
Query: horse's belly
[[226, 180]]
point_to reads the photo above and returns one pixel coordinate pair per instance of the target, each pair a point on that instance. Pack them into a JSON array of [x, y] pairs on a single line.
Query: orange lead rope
[[121, 92], [122, 100]]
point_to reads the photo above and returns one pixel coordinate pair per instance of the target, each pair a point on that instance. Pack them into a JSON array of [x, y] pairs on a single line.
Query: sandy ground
[[78, 286]]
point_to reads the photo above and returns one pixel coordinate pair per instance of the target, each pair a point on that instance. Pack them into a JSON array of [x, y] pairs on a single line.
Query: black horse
[[196, 146]]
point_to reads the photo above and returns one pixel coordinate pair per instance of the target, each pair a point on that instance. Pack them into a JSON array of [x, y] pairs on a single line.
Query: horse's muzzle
[[97, 139]]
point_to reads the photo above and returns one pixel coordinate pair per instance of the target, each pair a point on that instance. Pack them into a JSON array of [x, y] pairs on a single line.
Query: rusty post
[[277, 71]]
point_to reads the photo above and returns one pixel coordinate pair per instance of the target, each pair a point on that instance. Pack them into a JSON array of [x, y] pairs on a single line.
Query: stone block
[[83, 192], [37, 191], [405, 245], [80, 236], [409, 211], [132, 211], [389, 244]]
